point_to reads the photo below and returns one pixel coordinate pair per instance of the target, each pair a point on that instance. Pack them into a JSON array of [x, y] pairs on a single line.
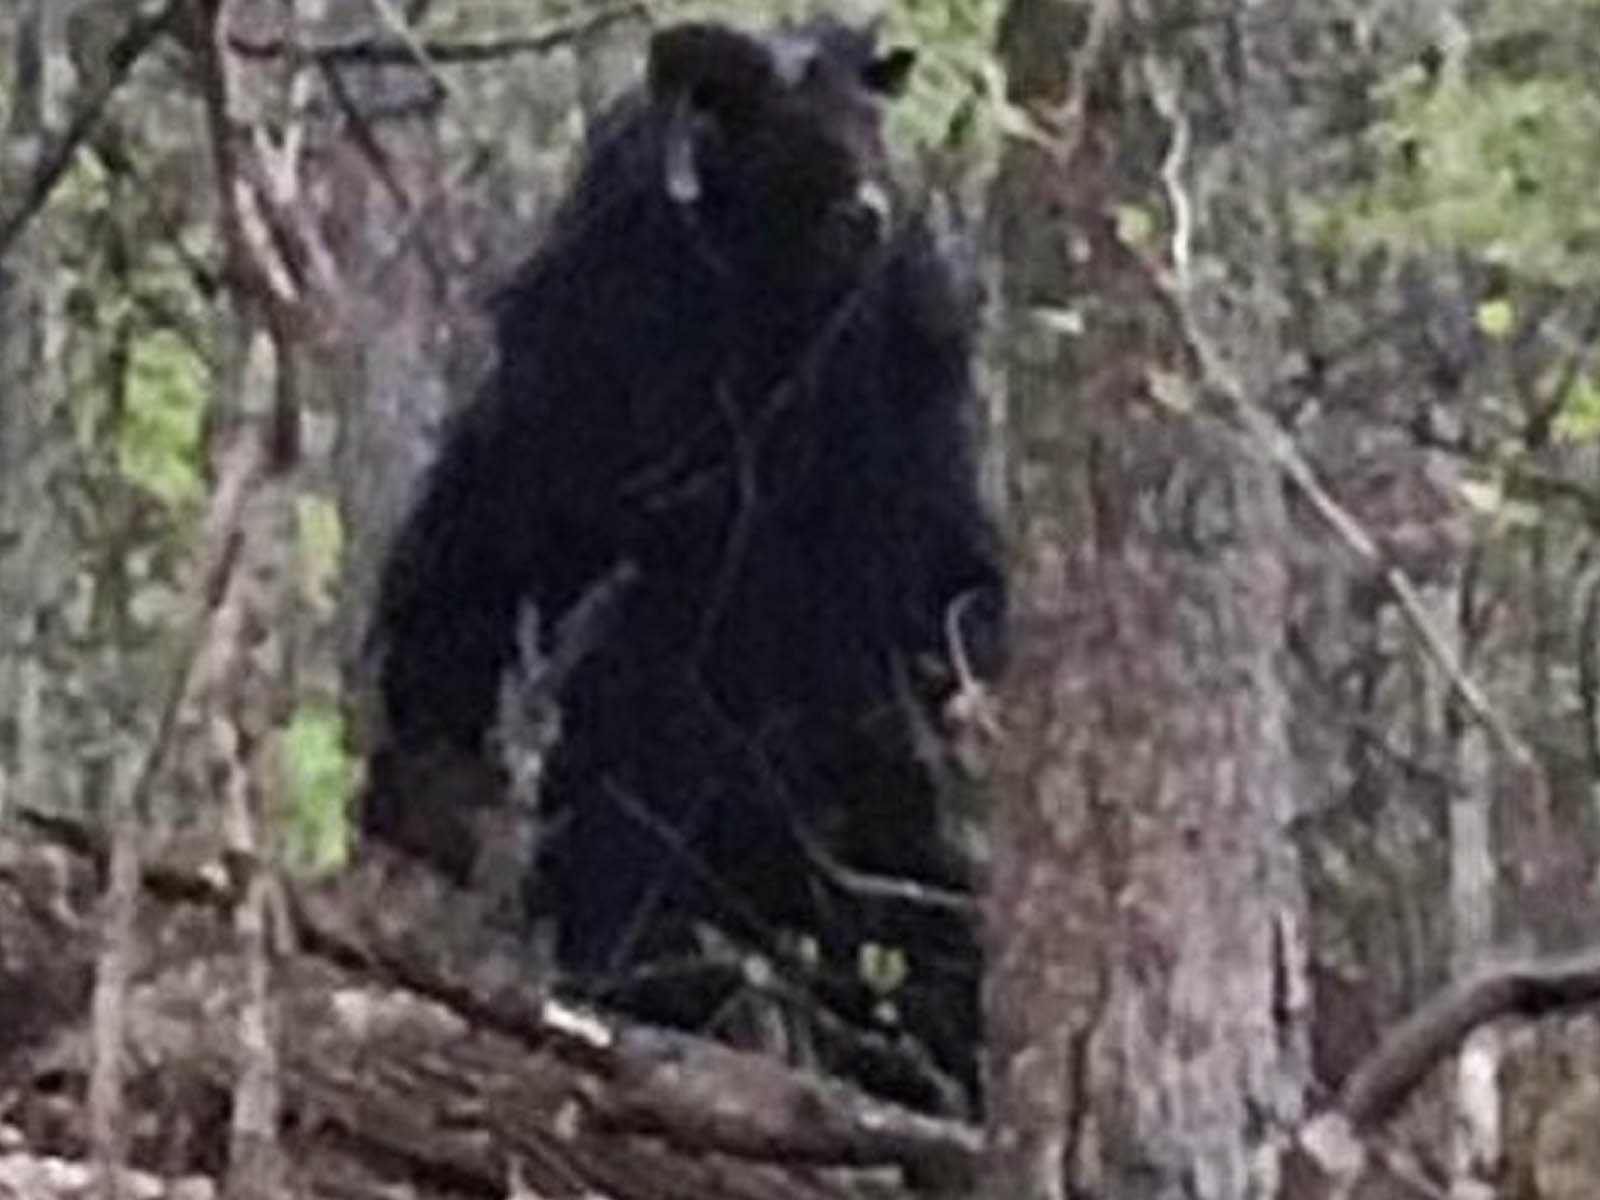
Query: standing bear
[[728, 453]]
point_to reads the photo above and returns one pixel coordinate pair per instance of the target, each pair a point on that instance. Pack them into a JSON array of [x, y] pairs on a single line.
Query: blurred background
[[245, 250]]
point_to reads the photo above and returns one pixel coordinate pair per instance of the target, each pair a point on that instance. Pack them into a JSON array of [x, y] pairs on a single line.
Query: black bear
[[734, 388]]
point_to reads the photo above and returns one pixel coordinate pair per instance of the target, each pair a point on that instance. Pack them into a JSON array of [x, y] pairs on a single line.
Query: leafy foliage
[[321, 777], [1487, 153], [159, 442], [1579, 418], [1497, 155], [958, 84], [957, 87], [1497, 318]]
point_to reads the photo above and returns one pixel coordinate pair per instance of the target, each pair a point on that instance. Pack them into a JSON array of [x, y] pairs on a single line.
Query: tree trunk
[[1147, 996], [30, 353]]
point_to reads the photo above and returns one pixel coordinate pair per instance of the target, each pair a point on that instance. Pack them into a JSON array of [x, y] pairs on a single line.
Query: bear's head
[[775, 140]]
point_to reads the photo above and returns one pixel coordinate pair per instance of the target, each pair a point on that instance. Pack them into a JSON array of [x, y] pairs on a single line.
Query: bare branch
[[710, 1097], [1221, 384], [113, 967], [401, 50], [224, 525], [365, 140], [1419, 1043], [57, 156]]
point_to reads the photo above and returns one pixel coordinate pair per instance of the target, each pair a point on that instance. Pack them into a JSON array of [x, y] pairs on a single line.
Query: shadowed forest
[[732, 600]]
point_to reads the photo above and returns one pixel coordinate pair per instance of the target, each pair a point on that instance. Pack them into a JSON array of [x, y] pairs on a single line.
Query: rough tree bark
[[31, 330], [1147, 998]]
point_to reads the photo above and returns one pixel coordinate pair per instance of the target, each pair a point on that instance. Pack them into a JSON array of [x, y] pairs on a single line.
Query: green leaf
[[1136, 226], [321, 776], [884, 969], [1579, 417], [1497, 318], [158, 441]]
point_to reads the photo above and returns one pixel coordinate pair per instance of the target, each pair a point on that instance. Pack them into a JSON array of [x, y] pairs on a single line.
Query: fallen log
[[415, 1049]]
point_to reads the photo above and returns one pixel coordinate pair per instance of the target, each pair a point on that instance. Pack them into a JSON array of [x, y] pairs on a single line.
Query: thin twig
[[409, 49], [1220, 382], [1104, 18]]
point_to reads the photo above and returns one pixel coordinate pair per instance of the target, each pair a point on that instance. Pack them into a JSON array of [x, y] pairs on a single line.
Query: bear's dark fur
[[735, 386]]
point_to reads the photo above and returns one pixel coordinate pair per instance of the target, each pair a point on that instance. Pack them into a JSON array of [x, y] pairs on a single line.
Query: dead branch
[[705, 1095], [1345, 1143], [371, 51], [1412, 1049], [416, 1056], [1222, 390], [56, 156]]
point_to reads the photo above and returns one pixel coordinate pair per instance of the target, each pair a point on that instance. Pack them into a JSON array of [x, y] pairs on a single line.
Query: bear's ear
[[709, 68], [889, 73]]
